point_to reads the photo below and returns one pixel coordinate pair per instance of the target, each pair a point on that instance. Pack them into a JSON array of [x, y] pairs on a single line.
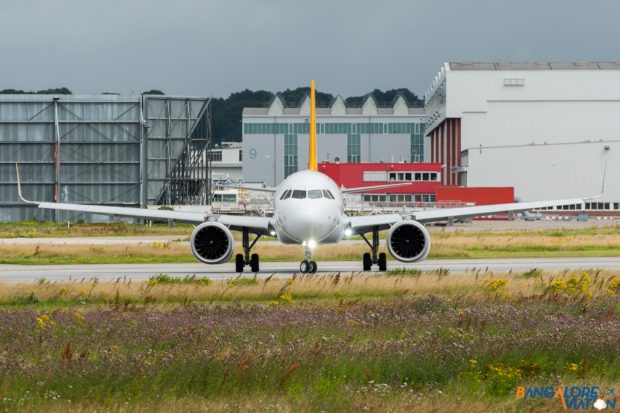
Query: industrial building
[[550, 130], [275, 139], [127, 150], [424, 179], [226, 162]]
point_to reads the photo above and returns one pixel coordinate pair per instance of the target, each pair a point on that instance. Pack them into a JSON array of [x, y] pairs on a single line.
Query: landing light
[[311, 244], [273, 233], [348, 232]]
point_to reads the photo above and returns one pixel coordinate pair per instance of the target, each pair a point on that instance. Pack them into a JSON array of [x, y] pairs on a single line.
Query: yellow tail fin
[[312, 159]]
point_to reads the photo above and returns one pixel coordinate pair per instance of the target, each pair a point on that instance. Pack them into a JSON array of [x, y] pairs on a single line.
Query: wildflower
[[79, 317], [613, 286], [573, 367], [286, 298], [473, 362], [45, 321], [151, 282]]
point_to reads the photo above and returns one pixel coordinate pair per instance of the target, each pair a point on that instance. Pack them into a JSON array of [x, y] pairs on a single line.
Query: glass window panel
[[315, 194], [299, 194]]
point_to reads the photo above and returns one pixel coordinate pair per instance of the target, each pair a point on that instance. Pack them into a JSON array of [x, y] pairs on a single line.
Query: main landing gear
[[378, 259], [241, 260], [307, 265]]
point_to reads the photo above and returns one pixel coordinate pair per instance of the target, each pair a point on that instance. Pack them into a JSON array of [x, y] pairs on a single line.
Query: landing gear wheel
[[313, 267], [367, 263], [304, 266], [254, 260], [239, 264], [382, 262]]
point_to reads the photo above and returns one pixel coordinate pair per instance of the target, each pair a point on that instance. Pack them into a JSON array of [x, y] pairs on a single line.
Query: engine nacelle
[[212, 243], [408, 241]]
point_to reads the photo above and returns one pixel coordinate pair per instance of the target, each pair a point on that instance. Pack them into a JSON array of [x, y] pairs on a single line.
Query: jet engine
[[408, 241], [212, 243]]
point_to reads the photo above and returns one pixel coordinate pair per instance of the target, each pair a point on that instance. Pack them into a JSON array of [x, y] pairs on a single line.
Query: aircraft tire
[[254, 262], [313, 267], [366, 262], [304, 266], [239, 264], [382, 262]]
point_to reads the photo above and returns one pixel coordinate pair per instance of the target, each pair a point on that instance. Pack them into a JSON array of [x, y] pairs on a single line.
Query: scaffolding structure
[[123, 150], [188, 179]]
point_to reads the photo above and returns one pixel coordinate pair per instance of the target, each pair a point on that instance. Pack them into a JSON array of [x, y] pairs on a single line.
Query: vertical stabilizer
[[312, 158]]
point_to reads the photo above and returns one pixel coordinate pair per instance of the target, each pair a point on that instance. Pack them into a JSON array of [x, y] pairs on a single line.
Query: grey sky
[[349, 47]]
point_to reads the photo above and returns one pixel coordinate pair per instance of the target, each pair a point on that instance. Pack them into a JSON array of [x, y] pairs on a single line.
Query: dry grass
[[444, 245], [339, 286]]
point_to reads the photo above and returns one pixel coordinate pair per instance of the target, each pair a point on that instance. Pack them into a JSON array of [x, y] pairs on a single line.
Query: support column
[[56, 157]]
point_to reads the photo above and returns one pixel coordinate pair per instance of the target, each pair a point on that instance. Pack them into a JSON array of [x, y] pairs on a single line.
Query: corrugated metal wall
[[103, 149]]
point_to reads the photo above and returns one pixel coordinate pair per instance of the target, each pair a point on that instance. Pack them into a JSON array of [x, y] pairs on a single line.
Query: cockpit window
[[315, 194], [286, 194], [299, 194], [327, 194]]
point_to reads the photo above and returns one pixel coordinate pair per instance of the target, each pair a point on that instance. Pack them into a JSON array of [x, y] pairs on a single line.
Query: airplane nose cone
[[311, 223]]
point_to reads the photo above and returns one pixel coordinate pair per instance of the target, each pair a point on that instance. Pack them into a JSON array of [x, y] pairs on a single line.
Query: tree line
[[226, 112]]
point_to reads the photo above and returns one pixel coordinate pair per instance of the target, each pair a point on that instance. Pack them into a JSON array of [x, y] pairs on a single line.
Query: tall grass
[[457, 342], [454, 245]]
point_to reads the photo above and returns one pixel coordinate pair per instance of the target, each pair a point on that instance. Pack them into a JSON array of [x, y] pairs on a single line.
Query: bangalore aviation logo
[[573, 397]]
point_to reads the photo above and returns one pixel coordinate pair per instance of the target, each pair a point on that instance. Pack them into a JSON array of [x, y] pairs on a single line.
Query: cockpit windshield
[[286, 194], [311, 193], [315, 194], [299, 194], [328, 194]]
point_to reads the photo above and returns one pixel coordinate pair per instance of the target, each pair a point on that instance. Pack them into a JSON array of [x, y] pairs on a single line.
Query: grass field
[[586, 242], [45, 229], [405, 341]]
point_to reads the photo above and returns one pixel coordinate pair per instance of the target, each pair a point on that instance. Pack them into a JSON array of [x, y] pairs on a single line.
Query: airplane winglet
[[19, 188], [602, 186]]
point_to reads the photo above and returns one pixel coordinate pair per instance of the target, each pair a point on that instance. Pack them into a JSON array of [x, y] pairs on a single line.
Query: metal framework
[[189, 174], [104, 149]]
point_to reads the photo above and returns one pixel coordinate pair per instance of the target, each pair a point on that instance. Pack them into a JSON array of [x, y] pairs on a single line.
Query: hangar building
[[547, 129], [125, 150], [275, 139], [550, 130]]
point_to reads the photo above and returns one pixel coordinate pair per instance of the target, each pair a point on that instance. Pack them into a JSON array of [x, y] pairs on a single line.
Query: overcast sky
[[213, 48]]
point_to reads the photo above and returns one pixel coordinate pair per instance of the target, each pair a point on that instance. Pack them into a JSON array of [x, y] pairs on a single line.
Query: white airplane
[[308, 211]]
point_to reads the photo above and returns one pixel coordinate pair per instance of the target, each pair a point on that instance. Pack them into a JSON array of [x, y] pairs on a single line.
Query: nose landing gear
[[241, 260], [376, 258], [307, 265]]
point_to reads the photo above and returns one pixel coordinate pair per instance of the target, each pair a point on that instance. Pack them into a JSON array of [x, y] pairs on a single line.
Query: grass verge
[[342, 342]]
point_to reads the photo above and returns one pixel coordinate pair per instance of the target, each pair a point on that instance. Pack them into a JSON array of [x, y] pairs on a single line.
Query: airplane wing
[[373, 187], [366, 223], [442, 214], [257, 225]]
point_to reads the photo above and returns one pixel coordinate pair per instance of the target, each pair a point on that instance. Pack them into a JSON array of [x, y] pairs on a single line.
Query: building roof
[[534, 65], [400, 106]]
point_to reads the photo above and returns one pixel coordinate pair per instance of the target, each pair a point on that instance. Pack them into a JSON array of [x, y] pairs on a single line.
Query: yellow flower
[[79, 317], [473, 362], [573, 367], [286, 298]]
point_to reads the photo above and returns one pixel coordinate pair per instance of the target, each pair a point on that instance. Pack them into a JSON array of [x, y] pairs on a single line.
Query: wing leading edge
[[257, 225], [366, 223]]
